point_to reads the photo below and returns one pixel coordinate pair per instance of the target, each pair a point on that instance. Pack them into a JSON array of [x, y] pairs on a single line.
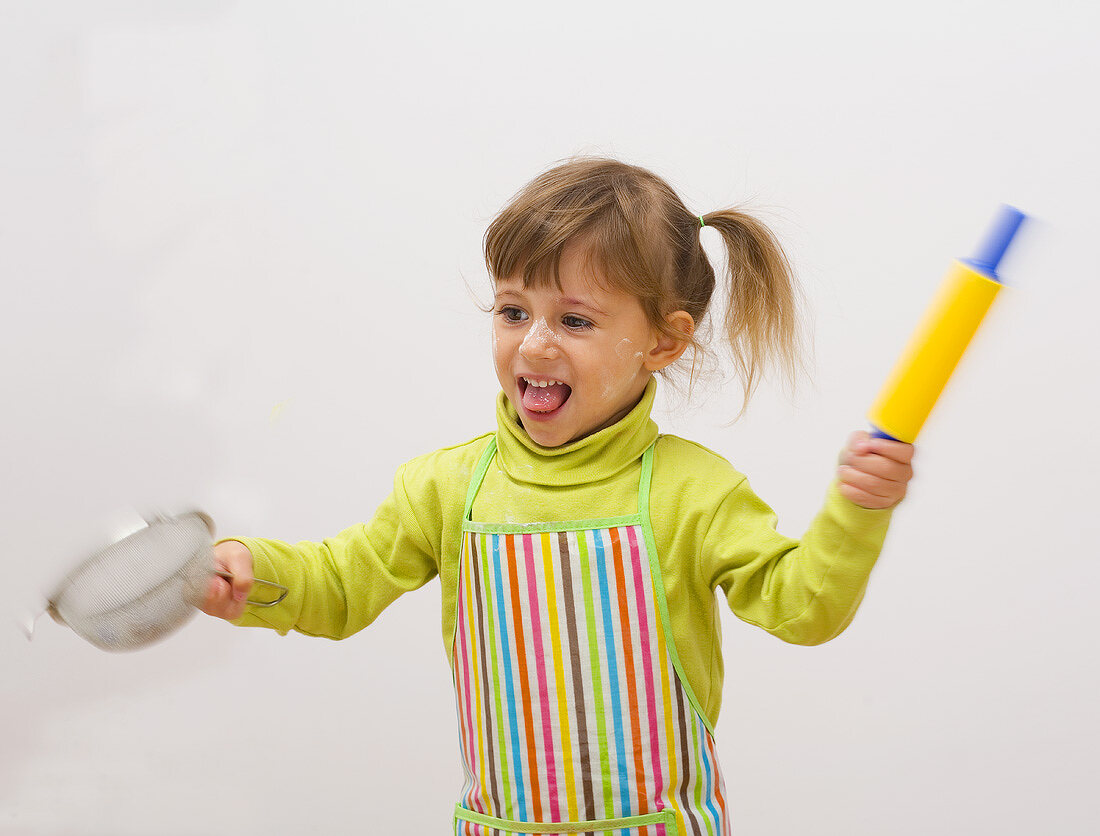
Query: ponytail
[[761, 322]]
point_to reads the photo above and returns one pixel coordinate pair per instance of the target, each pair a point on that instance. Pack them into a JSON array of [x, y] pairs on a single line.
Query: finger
[[862, 498], [219, 599], [858, 443], [897, 451], [235, 559], [242, 585], [861, 443], [882, 467], [871, 484]]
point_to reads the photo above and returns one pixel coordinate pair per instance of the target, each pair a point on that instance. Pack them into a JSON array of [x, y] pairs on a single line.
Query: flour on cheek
[[609, 381], [624, 349]]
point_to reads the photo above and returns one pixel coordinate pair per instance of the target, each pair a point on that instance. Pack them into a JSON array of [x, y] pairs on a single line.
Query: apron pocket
[[651, 824]]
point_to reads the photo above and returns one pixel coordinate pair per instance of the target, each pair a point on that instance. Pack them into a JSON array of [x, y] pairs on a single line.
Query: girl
[[578, 549]]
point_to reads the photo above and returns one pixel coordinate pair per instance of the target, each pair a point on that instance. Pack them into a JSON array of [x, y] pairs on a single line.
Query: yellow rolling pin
[[942, 336]]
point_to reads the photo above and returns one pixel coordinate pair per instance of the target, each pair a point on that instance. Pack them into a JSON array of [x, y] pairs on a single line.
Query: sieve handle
[[229, 576]]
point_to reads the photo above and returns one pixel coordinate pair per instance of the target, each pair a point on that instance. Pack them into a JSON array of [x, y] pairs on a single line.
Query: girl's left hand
[[875, 472]]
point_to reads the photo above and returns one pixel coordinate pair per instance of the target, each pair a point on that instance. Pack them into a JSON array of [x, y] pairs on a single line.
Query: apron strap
[[479, 476], [491, 449], [644, 480]]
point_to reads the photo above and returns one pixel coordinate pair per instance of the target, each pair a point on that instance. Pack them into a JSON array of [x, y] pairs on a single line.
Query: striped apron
[[574, 714]]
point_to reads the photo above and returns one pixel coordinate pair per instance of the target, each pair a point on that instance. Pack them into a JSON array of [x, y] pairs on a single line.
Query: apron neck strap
[[491, 449], [644, 479], [479, 476]]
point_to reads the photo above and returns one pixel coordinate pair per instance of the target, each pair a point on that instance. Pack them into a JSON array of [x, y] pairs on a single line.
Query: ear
[[666, 350]]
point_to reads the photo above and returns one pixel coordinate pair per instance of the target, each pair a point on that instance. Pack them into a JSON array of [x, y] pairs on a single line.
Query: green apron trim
[[637, 518], [665, 817], [659, 586], [552, 527], [479, 476]]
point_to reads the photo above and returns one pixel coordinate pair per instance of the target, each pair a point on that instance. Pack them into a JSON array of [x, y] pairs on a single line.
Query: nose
[[540, 342]]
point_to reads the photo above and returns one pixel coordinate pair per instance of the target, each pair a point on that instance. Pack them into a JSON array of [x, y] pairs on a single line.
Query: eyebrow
[[564, 301], [570, 302]]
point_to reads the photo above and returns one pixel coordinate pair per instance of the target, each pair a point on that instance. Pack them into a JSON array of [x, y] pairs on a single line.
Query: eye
[[575, 323], [510, 313]]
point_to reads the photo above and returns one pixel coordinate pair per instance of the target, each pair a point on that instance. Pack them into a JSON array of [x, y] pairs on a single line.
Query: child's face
[[593, 346]]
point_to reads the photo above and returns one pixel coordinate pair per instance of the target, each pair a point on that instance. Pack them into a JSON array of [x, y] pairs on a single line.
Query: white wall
[[235, 239]]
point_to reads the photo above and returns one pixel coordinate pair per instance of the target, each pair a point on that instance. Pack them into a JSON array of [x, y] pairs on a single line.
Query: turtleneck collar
[[590, 459]]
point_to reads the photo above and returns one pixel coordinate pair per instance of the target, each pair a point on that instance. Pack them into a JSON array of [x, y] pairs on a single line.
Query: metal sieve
[[144, 586]]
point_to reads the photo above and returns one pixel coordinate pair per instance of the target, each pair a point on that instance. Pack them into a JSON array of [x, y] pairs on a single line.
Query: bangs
[[538, 264], [607, 209], [528, 244]]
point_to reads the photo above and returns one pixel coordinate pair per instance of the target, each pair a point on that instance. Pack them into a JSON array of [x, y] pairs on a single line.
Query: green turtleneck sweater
[[710, 530]]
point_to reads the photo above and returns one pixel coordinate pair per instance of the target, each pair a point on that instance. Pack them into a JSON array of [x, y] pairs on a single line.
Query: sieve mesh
[[124, 574], [144, 586]]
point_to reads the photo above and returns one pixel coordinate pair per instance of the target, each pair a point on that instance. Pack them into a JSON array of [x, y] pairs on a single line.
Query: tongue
[[545, 398]]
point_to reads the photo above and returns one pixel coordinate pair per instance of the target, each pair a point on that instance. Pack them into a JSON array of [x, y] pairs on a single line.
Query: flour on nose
[[540, 333], [546, 332]]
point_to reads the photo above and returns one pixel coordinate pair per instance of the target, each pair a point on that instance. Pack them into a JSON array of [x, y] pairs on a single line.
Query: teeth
[[541, 384]]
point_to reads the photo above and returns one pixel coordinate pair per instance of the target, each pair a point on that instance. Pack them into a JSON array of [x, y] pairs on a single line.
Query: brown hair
[[642, 240]]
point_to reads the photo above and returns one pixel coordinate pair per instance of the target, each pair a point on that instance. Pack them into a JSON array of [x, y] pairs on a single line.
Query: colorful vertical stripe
[[569, 705]]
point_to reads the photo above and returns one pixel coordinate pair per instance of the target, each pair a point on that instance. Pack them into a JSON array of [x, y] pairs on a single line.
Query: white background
[[236, 242]]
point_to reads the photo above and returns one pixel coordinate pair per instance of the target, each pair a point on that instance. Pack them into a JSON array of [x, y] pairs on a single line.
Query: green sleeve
[[340, 585], [804, 592]]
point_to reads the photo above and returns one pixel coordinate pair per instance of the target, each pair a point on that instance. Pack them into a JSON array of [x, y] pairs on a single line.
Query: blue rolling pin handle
[[877, 433], [988, 256]]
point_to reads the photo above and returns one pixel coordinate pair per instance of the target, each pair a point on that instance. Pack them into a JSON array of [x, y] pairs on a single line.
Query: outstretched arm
[[336, 586], [807, 591]]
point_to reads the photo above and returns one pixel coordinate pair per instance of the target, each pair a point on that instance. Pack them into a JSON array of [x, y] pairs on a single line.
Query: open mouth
[[543, 395]]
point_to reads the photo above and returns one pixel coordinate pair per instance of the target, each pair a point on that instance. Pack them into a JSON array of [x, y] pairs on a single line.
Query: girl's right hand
[[226, 599], [875, 472]]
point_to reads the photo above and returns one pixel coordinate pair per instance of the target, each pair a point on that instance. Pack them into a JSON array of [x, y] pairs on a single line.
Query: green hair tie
[[702, 223]]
